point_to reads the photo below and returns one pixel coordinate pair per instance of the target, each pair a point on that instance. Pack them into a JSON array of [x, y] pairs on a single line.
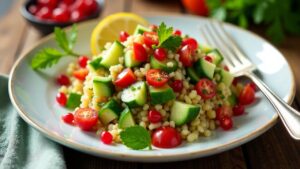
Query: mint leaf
[[61, 39], [136, 137], [172, 43], [46, 58], [163, 33]]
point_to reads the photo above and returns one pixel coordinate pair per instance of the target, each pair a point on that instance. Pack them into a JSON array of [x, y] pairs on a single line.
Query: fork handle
[[289, 116]]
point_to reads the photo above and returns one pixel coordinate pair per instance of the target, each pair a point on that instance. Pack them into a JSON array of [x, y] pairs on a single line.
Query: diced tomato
[[157, 77], [125, 78], [238, 110], [166, 137], [224, 111], [177, 85], [226, 123], [247, 95], [123, 36], [253, 85], [150, 38], [185, 56], [140, 53], [82, 61], [154, 116], [206, 88], [86, 118], [191, 42], [80, 74], [160, 54]]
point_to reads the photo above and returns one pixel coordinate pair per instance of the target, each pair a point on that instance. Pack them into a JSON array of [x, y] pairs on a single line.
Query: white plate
[[33, 95]]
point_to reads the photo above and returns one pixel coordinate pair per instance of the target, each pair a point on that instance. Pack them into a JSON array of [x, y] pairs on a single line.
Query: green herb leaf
[[61, 39], [73, 37], [172, 43], [166, 39], [136, 137], [46, 58]]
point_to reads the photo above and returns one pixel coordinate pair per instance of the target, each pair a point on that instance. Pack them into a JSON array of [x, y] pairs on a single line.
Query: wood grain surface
[[274, 149]]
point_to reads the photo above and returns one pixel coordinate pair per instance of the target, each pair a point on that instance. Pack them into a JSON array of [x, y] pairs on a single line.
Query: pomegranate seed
[[238, 110], [177, 85], [106, 137], [208, 58], [160, 54], [82, 61], [123, 36], [44, 13], [33, 9], [77, 15], [68, 118], [177, 32], [61, 15], [61, 99], [63, 80], [226, 123], [154, 116]]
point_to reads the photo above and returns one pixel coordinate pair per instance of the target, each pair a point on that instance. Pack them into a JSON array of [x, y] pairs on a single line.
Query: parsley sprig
[[166, 38], [48, 57], [136, 137]]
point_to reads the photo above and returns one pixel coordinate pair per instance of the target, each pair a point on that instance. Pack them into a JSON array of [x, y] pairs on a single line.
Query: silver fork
[[240, 65]]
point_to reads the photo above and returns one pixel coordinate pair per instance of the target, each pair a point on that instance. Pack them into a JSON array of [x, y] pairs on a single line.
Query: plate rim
[[138, 157]]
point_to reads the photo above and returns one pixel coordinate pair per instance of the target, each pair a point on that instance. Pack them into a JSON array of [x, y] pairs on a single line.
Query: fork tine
[[222, 44], [211, 42], [232, 44]]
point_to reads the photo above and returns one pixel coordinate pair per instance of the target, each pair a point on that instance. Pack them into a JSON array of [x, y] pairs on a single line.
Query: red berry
[[106, 137], [208, 58], [177, 85], [226, 123], [61, 99], [160, 54], [63, 80], [177, 32], [68, 118], [123, 36], [61, 15], [77, 15], [82, 61], [238, 110], [44, 13], [154, 116]]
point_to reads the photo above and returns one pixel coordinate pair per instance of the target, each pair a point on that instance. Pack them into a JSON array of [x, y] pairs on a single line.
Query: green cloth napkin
[[22, 147]]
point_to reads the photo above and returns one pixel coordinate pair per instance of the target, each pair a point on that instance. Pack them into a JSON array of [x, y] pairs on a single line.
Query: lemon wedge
[[109, 28]]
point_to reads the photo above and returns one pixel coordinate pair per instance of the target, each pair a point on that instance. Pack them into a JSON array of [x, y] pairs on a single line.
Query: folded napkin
[[22, 147]]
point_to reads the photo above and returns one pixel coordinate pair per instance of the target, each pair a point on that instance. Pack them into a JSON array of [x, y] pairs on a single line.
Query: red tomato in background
[[197, 7]]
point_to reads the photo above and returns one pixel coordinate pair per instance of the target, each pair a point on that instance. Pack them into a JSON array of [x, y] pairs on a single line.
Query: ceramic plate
[[33, 95]]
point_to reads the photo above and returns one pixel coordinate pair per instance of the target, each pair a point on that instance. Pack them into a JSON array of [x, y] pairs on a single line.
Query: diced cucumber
[[95, 63], [165, 65], [130, 60], [110, 111], [102, 86], [126, 119], [193, 75], [161, 95], [182, 113], [140, 30], [216, 56], [226, 77], [204, 68], [73, 101], [232, 99], [135, 95], [111, 57], [205, 48]]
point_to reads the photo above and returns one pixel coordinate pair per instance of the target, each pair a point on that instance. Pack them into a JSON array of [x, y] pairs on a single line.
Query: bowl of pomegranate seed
[[45, 15]]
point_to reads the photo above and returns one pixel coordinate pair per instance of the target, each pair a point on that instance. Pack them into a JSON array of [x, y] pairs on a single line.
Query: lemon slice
[[109, 28]]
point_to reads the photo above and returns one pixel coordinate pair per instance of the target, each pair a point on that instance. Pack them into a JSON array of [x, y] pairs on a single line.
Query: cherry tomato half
[[166, 137], [125, 78], [185, 56], [86, 118], [224, 111], [156, 77], [206, 89], [81, 74], [247, 95], [150, 38], [191, 42], [140, 53]]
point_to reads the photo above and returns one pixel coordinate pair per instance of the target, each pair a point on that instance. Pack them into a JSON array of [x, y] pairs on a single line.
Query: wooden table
[[274, 149]]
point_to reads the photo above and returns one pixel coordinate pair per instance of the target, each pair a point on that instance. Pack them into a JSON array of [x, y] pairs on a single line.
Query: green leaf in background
[[46, 58], [136, 137], [219, 13]]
